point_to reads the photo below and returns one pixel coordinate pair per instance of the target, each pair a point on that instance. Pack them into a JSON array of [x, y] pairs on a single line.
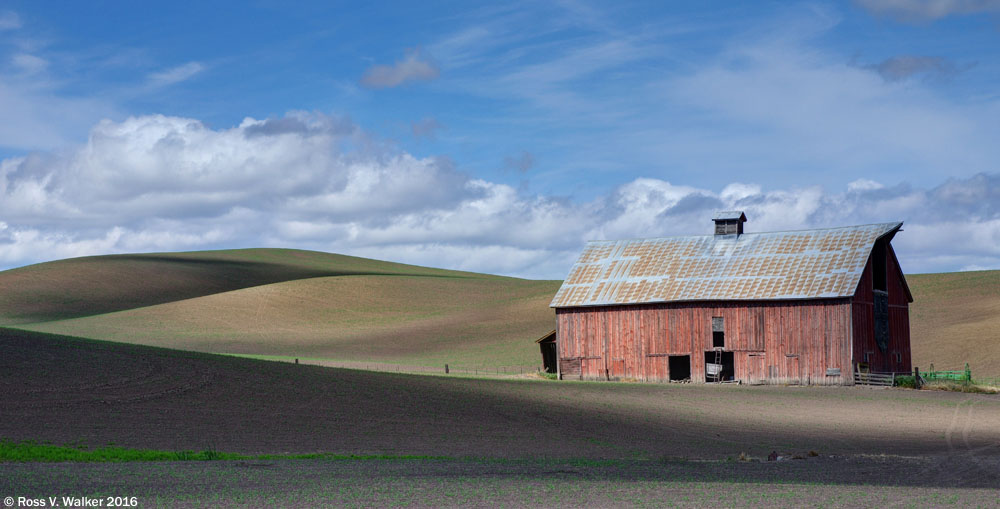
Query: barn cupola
[[729, 222]]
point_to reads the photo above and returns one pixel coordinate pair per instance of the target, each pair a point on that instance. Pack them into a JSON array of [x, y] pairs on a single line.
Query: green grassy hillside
[[954, 319], [286, 303]]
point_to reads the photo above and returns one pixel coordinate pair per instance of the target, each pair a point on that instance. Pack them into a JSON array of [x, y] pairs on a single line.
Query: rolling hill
[[281, 302], [954, 319], [101, 284], [291, 303]]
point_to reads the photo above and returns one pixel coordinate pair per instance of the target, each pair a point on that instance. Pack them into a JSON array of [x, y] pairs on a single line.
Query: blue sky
[[494, 138]]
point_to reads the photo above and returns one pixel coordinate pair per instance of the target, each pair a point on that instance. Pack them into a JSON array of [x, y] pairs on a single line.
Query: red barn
[[798, 307]]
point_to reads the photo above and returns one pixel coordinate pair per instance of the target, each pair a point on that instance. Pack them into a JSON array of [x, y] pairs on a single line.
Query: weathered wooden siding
[[773, 342], [896, 358]]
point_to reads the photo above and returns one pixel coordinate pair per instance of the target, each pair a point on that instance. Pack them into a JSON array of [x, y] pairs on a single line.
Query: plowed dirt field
[[667, 440]]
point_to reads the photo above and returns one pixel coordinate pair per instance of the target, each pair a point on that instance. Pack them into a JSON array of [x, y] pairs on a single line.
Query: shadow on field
[[68, 390], [95, 285]]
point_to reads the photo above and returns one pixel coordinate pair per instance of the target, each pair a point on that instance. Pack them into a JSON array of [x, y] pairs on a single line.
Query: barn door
[[755, 367], [792, 369]]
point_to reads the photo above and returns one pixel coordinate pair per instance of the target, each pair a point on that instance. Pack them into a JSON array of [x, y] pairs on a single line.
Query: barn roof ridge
[[804, 230], [781, 265]]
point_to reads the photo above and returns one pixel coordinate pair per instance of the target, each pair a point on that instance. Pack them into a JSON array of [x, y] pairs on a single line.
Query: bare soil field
[[826, 482], [575, 441], [68, 390]]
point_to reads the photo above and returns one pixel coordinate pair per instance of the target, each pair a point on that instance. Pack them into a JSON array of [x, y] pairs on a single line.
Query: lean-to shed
[[547, 345], [808, 306]]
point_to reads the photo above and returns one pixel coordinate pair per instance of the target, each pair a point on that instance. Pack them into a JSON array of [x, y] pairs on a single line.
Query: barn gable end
[[893, 353]]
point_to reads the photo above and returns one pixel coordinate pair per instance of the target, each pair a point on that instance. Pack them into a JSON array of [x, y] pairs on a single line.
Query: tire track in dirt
[[974, 454], [963, 460], [123, 378], [942, 467]]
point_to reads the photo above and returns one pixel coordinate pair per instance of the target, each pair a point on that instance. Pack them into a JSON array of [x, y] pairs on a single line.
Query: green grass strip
[[30, 451]]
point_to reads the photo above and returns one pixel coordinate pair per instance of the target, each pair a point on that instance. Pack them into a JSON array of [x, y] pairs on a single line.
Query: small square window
[[718, 332]]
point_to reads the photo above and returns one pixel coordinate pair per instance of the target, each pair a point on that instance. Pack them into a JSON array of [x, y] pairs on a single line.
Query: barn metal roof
[[729, 214], [805, 264]]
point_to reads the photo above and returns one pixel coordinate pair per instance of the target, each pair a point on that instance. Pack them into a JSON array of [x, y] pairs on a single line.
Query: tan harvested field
[[954, 319], [592, 442], [286, 303], [101, 284]]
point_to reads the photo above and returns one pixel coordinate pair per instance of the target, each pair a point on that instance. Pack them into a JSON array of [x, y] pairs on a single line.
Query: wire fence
[[446, 369], [960, 375]]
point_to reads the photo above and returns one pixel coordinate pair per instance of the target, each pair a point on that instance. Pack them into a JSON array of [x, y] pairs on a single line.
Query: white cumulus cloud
[[315, 181]]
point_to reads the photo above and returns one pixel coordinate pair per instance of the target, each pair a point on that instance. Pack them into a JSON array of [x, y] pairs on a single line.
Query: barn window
[[718, 332], [726, 227]]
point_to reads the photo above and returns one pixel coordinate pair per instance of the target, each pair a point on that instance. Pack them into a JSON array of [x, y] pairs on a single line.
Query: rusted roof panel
[[806, 264]]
